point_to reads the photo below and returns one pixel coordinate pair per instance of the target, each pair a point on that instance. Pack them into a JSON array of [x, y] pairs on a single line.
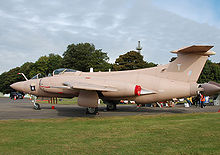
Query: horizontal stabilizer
[[88, 86], [196, 49]]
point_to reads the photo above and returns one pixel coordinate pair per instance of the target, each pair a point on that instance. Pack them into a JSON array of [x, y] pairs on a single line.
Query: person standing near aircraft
[[189, 101], [202, 99], [197, 100]]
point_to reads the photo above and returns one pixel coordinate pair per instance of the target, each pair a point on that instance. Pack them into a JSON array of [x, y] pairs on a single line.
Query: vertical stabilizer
[[189, 63]]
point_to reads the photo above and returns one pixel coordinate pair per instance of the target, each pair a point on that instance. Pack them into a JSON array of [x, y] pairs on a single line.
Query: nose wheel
[[37, 106]]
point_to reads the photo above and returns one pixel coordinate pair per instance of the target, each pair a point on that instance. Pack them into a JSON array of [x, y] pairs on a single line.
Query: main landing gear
[[111, 104], [111, 107], [92, 111]]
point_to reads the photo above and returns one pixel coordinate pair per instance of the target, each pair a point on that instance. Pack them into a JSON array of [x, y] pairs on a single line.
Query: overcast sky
[[30, 29]]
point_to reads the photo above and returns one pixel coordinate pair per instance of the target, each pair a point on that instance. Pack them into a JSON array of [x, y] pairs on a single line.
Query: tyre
[[91, 110], [37, 106], [111, 107]]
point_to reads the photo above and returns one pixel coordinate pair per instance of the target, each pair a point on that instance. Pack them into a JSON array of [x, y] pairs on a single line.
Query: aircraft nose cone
[[17, 86]]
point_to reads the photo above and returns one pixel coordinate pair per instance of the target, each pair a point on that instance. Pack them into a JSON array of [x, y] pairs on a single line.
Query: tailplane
[[189, 63]]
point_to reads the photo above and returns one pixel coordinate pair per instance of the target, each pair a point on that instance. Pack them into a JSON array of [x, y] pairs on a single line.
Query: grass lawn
[[165, 134]]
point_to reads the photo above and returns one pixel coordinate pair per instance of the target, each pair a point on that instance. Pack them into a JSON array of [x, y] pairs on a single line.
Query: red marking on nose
[[60, 92], [45, 86]]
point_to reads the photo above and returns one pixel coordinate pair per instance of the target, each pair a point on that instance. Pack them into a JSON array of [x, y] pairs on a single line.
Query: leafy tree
[[131, 60], [54, 62], [7, 78], [26, 68], [44, 65], [99, 61], [172, 59], [210, 72], [83, 56]]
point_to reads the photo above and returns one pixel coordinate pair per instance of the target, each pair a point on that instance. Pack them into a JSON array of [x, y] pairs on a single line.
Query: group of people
[[199, 100]]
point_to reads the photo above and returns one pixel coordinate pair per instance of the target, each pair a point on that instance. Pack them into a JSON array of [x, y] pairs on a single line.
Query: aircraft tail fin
[[189, 63]]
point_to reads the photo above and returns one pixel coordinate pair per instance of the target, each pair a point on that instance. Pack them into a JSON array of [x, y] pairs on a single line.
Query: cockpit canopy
[[55, 72], [39, 75], [62, 70]]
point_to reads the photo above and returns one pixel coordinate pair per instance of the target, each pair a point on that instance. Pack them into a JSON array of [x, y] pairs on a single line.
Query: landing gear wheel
[[91, 110], [37, 106], [111, 107]]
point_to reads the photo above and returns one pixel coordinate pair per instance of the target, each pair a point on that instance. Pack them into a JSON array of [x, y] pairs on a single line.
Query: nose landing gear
[[36, 105]]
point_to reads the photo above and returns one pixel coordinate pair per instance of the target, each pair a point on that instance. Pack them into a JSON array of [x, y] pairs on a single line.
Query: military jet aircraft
[[176, 79]]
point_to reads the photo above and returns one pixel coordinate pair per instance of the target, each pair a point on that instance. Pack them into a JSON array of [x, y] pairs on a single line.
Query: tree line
[[84, 56]]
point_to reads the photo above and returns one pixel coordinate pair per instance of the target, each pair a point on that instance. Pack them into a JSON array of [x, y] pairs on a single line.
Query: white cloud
[[30, 29], [201, 11]]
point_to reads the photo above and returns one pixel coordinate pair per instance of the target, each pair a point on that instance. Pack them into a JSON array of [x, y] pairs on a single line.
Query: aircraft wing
[[89, 86], [96, 87]]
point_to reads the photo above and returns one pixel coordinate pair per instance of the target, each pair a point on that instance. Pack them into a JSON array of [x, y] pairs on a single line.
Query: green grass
[[164, 134]]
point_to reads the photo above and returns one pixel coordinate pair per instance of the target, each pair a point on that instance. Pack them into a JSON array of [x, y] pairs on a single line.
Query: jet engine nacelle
[[210, 88], [88, 98]]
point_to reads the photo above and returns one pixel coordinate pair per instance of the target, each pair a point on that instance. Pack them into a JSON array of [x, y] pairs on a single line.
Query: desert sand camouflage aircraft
[[164, 82]]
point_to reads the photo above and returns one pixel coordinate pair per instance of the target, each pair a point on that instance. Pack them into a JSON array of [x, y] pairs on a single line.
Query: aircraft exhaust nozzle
[[210, 89]]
